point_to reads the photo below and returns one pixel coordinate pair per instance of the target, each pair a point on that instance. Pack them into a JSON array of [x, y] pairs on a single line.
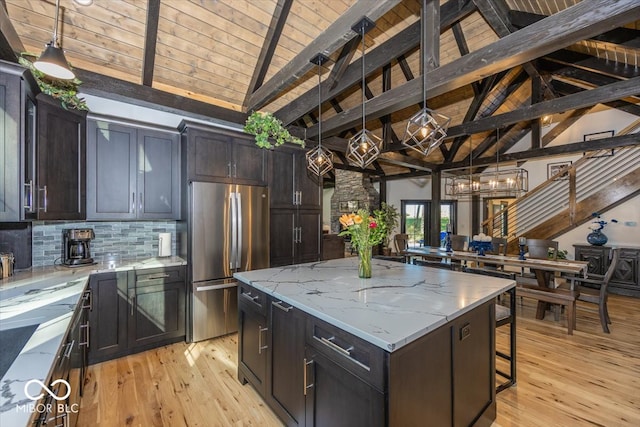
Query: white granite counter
[[399, 304], [46, 297]]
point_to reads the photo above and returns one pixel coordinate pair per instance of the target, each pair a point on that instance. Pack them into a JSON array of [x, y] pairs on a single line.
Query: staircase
[[596, 182]]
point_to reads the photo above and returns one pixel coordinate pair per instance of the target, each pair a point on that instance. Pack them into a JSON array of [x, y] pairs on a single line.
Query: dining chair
[[504, 316], [541, 249], [435, 264], [401, 241], [498, 247], [457, 244], [599, 295]]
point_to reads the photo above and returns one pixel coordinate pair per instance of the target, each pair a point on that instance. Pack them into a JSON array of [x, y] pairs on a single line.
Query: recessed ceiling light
[[84, 2]]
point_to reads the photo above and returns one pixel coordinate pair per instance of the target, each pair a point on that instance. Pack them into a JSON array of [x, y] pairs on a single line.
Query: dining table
[[543, 269]]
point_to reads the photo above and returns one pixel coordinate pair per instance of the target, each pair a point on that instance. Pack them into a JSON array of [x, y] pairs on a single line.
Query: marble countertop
[[46, 297], [399, 304]]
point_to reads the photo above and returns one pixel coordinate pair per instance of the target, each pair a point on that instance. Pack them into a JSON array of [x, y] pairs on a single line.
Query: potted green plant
[[388, 215], [266, 126], [65, 91]]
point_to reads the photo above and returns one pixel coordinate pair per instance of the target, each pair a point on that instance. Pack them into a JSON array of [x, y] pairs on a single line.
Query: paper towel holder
[[164, 244]]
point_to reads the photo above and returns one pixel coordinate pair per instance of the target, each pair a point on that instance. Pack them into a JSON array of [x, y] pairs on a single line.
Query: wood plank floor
[[590, 378]]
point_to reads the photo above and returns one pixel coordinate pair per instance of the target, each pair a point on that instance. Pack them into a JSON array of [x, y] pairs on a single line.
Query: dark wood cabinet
[[157, 306], [218, 155], [319, 374], [61, 158], [108, 316], [252, 333], [133, 172], [17, 142], [626, 277], [135, 311], [285, 362], [296, 203]]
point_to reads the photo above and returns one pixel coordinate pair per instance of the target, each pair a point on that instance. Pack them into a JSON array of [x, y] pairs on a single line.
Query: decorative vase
[[597, 238], [364, 264]]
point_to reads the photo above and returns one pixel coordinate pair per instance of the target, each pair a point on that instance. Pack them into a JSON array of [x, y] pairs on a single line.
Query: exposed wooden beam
[[619, 104], [558, 150], [150, 40], [334, 37], [560, 29], [406, 161], [278, 19], [463, 48], [565, 124], [345, 57], [131, 93], [583, 99], [591, 63], [395, 47]]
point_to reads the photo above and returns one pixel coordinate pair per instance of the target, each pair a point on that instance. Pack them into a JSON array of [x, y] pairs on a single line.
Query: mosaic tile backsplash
[[129, 239]]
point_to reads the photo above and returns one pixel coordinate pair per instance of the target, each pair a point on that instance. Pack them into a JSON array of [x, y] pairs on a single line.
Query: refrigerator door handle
[[239, 231], [234, 230]]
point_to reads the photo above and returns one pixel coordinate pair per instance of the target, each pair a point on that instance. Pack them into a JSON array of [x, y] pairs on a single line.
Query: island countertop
[[398, 305]]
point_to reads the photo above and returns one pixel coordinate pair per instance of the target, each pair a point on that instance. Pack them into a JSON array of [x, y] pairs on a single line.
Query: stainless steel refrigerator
[[228, 232]]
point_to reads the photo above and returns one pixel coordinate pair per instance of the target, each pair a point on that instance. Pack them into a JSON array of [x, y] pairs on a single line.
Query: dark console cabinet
[[626, 278]]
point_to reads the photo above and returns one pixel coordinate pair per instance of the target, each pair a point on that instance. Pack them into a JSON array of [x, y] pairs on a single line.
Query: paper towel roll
[[164, 244]]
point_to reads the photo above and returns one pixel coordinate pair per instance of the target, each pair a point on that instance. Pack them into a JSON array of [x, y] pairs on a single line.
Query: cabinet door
[[209, 158], [61, 161], [281, 237], [285, 361], [158, 175], [595, 257], [111, 179], [157, 313], [626, 277], [252, 347], [308, 246], [108, 316], [281, 180], [308, 185], [10, 200], [249, 163], [335, 397]]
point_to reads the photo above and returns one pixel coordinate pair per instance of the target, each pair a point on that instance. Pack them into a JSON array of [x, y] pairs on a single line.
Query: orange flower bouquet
[[365, 232]]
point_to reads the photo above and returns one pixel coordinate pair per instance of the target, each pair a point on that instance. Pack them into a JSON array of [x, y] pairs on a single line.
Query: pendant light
[[426, 129], [52, 61], [364, 147], [319, 159]]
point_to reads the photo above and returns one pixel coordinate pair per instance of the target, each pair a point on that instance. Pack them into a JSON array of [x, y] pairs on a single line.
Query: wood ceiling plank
[[561, 29], [338, 33]]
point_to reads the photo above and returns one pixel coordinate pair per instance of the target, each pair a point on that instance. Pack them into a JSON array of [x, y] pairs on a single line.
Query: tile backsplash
[[129, 239]]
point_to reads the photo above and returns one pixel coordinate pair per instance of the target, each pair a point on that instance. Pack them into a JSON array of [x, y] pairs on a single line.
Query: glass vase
[[364, 264], [597, 238]]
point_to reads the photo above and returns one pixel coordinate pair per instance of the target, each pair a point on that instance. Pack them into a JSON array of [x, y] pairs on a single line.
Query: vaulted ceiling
[[493, 64]]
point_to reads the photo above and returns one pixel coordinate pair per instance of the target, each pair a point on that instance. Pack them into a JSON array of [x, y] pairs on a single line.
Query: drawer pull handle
[[248, 296], [282, 307], [346, 352], [150, 278], [260, 346], [304, 375], [86, 327]]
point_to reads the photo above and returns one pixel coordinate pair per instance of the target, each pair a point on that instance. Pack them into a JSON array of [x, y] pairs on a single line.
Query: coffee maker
[[76, 246]]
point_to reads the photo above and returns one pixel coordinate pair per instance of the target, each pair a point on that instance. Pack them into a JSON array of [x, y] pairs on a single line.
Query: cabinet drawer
[[354, 354], [158, 276], [252, 299]]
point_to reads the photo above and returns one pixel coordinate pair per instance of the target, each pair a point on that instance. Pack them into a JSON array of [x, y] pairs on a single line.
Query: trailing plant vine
[[66, 91], [265, 126]]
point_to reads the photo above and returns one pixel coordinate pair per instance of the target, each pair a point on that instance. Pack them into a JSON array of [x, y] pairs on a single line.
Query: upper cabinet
[[133, 171], [17, 143], [292, 185], [218, 155], [60, 161]]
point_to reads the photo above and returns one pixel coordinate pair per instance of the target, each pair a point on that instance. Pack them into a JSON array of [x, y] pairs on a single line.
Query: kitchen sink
[[13, 341]]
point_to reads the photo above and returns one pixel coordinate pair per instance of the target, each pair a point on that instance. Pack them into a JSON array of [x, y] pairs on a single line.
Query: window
[[415, 218]]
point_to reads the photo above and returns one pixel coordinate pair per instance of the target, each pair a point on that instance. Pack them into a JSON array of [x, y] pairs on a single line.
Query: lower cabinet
[[137, 310], [294, 236], [312, 373]]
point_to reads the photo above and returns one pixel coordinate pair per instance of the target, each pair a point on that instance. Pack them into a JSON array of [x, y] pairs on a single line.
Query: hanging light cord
[[319, 106], [55, 25], [424, 54], [497, 150], [363, 78]]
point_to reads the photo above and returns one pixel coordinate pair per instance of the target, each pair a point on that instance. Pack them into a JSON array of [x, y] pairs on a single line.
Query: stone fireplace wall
[[351, 187]]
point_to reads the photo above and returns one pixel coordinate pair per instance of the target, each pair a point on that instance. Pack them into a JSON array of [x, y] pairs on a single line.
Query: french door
[[416, 219]]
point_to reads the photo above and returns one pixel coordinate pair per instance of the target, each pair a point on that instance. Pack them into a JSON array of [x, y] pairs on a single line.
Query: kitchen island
[[410, 346]]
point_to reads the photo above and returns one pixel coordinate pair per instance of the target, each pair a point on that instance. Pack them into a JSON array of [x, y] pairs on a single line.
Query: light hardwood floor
[[590, 378]]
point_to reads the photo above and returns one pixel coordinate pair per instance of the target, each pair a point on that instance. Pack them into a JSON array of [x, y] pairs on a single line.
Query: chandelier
[[511, 182], [426, 129], [364, 147], [319, 159]]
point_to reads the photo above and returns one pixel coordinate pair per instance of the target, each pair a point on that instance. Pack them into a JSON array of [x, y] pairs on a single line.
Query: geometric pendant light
[[52, 61], [364, 147], [319, 159], [426, 129]]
